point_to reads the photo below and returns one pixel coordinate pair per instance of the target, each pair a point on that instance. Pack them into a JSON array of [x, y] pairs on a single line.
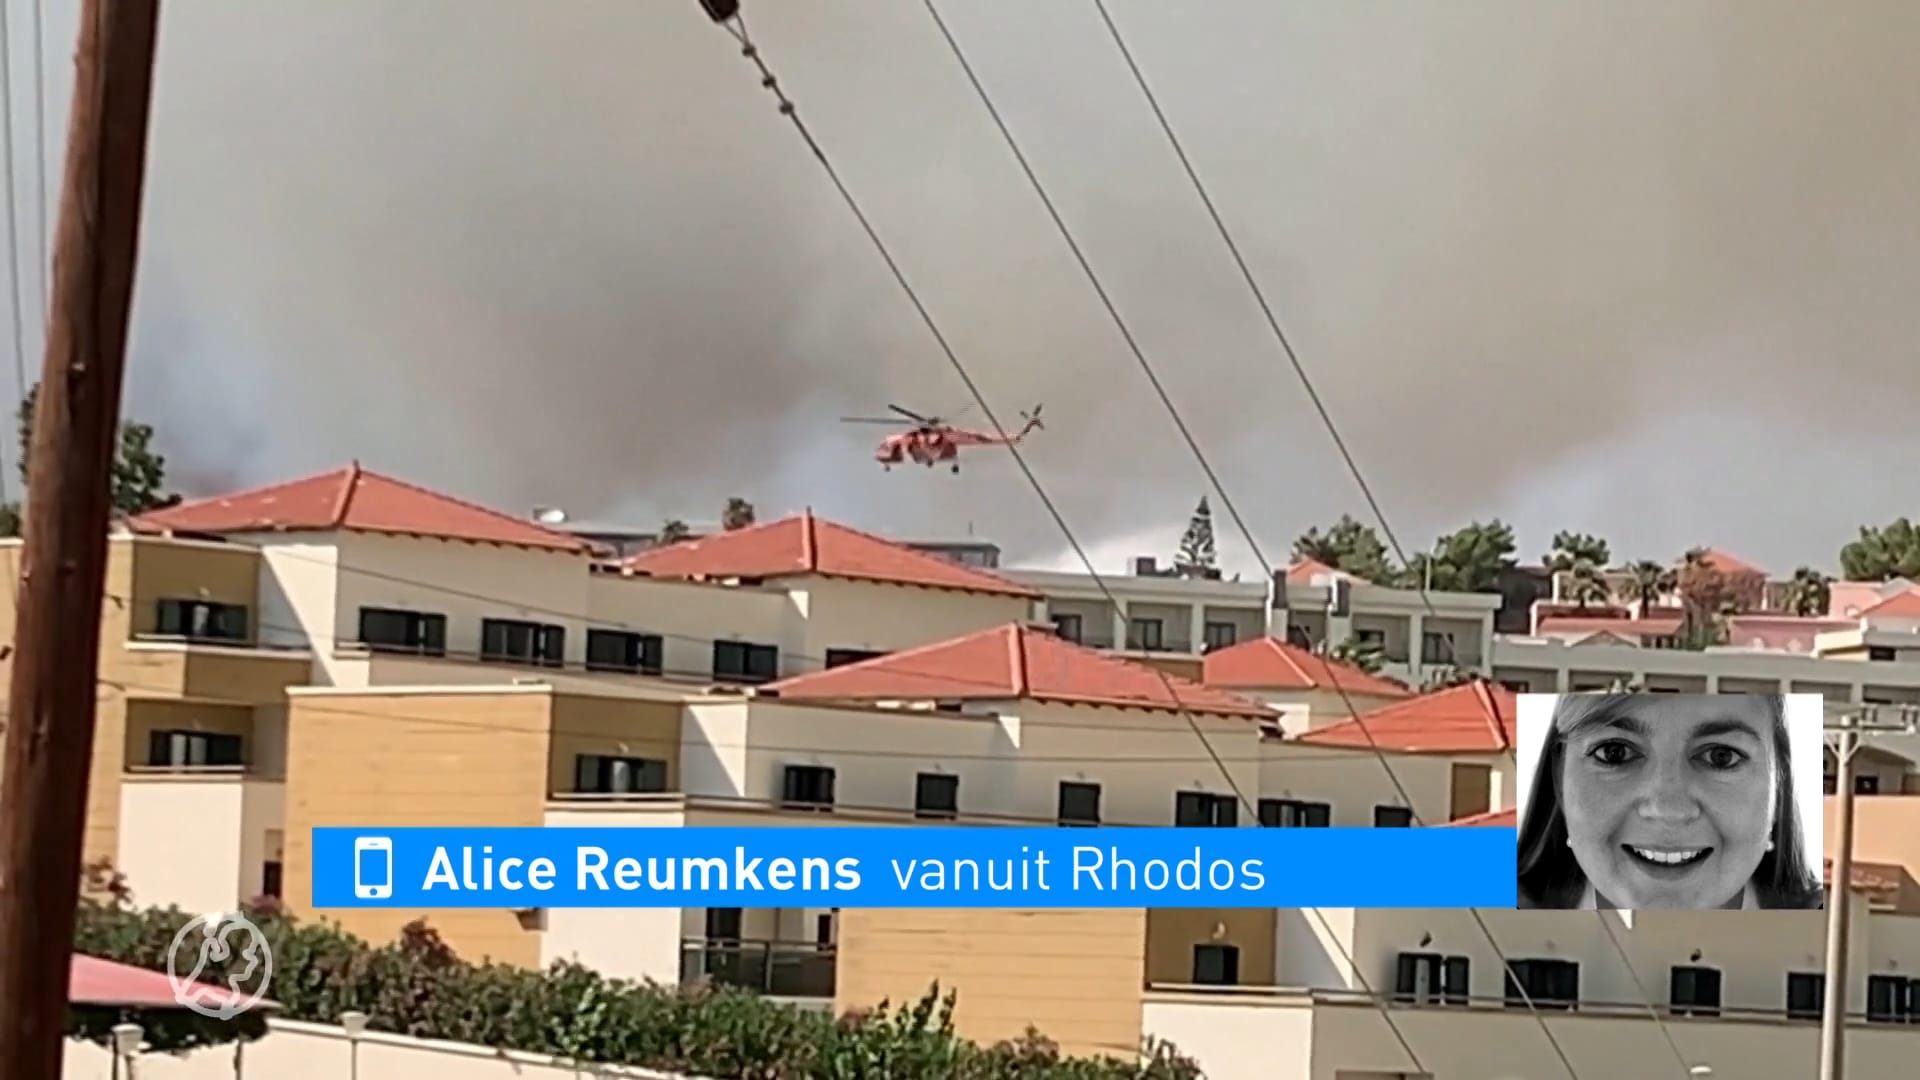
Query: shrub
[[416, 986]]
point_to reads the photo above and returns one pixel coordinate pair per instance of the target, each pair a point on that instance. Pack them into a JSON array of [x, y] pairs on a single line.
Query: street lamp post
[[1847, 728]]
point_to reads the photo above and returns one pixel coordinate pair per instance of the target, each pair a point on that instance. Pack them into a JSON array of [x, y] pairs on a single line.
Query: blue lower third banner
[[928, 866]]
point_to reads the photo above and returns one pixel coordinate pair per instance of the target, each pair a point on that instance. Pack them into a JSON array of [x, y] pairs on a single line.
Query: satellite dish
[[550, 515]]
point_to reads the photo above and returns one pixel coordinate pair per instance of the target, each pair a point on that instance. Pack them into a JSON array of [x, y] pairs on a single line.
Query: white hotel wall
[[621, 943], [843, 614], [1354, 781], [1009, 765], [196, 840], [1290, 1037], [691, 616], [299, 1051]]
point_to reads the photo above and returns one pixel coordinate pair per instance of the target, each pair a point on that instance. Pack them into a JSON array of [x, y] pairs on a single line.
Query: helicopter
[[931, 441]]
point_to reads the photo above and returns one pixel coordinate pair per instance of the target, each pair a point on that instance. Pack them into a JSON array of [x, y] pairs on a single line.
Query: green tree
[[737, 515], [1651, 583], [1368, 656], [1572, 548], [1197, 557], [1467, 560], [1707, 597], [1883, 552], [1809, 592], [673, 532], [1348, 546], [139, 471]]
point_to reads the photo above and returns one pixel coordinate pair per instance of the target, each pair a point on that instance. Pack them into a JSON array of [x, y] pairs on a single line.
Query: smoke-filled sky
[[1644, 270]]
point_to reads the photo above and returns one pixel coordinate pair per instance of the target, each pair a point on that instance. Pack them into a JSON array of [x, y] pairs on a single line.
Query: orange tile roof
[[1269, 663], [354, 499], [1728, 564], [1904, 605], [1473, 718], [1498, 819], [1651, 626], [804, 544], [1305, 570], [1014, 662]]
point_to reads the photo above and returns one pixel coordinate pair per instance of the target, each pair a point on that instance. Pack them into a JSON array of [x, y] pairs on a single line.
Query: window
[[1551, 984], [270, 875], [823, 931], [745, 662], [200, 620], [1295, 814], [1079, 803], [1220, 635], [1881, 652], [192, 749], [394, 630], [1806, 994], [842, 657], [1830, 784], [1216, 965], [1068, 627], [1147, 635], [1866, 784], [936, 795], [1890, 999], [520, 642], [808, 787], [1431, 979], [1392, 817], [1436, 647], [1695, 991], [603, 775], [1299, 636], [621, 650], [1198, 809], [1371, 638], [723, 924]]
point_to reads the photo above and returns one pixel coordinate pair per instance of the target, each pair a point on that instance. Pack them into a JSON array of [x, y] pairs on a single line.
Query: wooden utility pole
[[49, 722]]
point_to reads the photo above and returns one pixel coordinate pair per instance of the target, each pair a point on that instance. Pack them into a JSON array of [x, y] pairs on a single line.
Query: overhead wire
[[736, 27], [1366, 489]]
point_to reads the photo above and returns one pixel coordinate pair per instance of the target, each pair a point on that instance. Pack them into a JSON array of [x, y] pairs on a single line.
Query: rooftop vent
[[549, 515]]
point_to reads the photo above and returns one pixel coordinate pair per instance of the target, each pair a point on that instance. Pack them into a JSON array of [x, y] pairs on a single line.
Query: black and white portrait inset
[[1677, 801]]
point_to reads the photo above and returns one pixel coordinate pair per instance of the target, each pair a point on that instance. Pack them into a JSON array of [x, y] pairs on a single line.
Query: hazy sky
[[1641, 269]]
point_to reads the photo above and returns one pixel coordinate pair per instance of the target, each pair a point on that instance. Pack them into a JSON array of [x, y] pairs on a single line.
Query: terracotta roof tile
[[1473, 718], [354, 499], [1651, 626], [804, 544], [1904, 605], [1268, 663], [1497, 819], [97, 982], [1304, 571], [1729, 564], [1014, 662]]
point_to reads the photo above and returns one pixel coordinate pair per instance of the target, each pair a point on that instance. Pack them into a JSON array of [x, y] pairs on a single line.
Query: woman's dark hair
[[1550, 876]]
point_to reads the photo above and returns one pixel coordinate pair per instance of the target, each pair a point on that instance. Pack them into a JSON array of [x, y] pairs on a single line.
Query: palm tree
[[1651, 583], [1809, 592], [1584, 585]]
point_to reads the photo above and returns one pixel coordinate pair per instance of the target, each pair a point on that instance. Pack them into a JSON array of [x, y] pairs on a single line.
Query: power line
[[738, 30], [16, 299], [1360, 480], [40, 149]]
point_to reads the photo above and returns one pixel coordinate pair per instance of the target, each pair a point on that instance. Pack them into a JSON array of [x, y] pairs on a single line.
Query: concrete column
[[1119, 612], [1197, 629], [1417, 648]]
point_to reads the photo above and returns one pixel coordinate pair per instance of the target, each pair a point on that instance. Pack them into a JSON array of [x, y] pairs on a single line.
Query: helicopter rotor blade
[[914, 416], [887, 420]]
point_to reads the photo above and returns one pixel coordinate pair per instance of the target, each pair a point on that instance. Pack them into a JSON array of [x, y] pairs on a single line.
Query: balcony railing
[[774, 968]]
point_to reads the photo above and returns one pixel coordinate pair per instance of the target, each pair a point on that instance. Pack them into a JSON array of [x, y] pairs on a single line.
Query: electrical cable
[[1340, 444], [739, 31]]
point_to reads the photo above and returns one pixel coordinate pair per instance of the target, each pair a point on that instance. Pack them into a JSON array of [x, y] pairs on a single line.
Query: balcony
[[790, 969], [158, 666]]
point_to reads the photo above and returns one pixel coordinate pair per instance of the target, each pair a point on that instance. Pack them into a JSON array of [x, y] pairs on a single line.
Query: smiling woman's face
[[1669, 798]]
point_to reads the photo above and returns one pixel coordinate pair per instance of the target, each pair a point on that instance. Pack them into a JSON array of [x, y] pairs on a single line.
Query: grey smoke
[[1646, 271]]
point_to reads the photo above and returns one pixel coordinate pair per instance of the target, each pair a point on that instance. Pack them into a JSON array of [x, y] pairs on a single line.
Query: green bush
[[416, 986]]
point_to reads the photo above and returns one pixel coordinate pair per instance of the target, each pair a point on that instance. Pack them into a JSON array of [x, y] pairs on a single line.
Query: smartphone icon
[[372, 867]]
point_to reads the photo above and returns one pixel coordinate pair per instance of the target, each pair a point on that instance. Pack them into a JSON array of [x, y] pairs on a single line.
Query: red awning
[[100, 982]]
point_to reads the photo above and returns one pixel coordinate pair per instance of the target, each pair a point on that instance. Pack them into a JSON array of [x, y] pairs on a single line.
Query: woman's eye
[[1722, 757], [1613, 753]]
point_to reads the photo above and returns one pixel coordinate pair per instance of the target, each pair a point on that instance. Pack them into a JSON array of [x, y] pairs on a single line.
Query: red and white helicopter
[[931, 441]]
